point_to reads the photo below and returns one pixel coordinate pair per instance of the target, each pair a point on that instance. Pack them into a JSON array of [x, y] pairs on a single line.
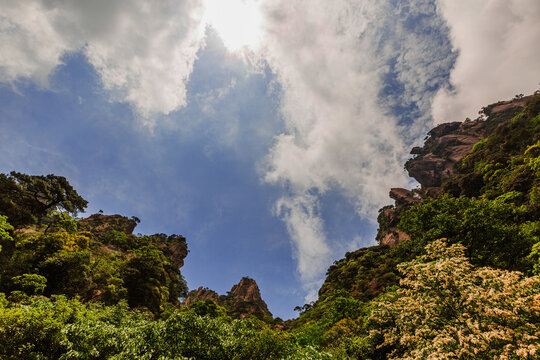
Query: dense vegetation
[[52, 256], [489, 210], [464, 283]]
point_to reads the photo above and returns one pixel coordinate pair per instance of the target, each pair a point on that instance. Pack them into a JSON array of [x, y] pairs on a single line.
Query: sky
[[267, 132]]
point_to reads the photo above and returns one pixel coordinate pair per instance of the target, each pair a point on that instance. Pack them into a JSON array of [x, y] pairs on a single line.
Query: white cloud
[[499, 55], [332, 60], [306, 230], [30, 45], [143, 51]]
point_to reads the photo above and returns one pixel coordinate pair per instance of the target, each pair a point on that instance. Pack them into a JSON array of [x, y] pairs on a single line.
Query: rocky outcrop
[[201, 294], [388, 233], [513, 106], [393, 237], [244, 299], [404, 196], [246, 290], [176, 249], [448, 143], [445, 146], [99, 224], [102, 226], [434, 162]]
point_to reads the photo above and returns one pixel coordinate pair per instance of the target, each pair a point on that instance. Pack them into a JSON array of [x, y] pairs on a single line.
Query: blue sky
[[271, 153]]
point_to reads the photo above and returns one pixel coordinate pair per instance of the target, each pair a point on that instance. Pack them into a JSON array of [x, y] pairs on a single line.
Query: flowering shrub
[[448, 309]]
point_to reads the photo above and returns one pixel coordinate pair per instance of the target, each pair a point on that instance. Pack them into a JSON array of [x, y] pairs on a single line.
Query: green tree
[[5, 229], [492, 231], [34, 330], [146, 279], [31, 284], [208, 308], [26, 199]]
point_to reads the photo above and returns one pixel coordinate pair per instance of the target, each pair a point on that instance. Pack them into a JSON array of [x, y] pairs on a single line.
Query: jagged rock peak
[[244, 299], [246, 290]]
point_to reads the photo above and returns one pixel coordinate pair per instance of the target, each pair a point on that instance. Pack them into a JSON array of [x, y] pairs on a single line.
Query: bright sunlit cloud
[[238, 22]]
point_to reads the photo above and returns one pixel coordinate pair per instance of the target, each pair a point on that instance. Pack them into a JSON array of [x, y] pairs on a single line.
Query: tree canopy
[[26, 199]]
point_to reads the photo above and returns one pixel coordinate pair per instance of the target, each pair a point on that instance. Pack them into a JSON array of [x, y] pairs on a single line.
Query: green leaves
[[66, 329], [491, 230], [34, 330], [5, 229], [32, 284], [25, 199]]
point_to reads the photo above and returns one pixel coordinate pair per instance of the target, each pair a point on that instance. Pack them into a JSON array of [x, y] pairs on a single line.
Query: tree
[[492, 231], [448, 309], [5, 229], [26, 199], [31, 284], [146, 279]]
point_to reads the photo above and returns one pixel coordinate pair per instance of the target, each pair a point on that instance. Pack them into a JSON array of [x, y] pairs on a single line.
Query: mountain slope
[[480, 191]]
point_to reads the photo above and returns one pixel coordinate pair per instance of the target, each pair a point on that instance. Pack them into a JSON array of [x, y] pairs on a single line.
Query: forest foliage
[[464, 285]]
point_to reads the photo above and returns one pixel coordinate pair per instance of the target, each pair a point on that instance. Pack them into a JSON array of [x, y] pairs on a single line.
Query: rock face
[[244, 299], [99, 224], [388, 233], [246, 290], [201, 294], [177, 250], [434, 162], [519, 102], [448, 143], [404, 196]]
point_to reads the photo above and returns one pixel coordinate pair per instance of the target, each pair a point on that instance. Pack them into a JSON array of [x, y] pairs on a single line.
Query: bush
[[448, 309]]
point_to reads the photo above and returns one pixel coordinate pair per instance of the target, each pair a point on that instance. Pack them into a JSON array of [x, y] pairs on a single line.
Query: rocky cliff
[[244, 299], [108, 227], [201, 294], [435, 162], [448, 143], [99, 224], [473, 177]]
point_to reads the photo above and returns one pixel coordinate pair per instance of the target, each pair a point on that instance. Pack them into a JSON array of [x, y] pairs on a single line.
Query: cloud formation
[[334, 67], [144, 52], [499, 55]]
